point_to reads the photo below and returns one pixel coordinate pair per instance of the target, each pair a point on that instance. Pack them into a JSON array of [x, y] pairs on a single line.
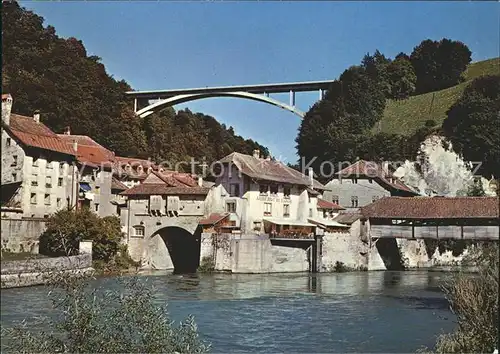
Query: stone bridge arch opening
[[183, 248]]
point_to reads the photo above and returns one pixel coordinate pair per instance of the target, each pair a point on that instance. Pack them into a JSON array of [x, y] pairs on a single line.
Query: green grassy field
[[406, 116]]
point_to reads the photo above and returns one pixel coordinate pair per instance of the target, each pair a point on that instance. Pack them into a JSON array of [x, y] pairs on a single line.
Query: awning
[[85, 187], [290, 222], [327, 223]]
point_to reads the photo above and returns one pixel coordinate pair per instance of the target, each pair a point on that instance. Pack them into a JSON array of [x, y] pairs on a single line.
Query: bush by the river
[[474, 300], [66, 228], [95, 321]]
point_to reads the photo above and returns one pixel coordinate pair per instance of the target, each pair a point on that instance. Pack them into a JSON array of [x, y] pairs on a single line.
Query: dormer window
[[274, 189], [286, 191], [263, 188]]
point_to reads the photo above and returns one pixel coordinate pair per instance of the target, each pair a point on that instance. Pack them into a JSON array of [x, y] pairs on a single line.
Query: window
[[335, 199], [274, 189], [8, 142], [33, 198], [14, 160], [58, 202], [49, 165], [231, 207], [97, 189], [59, 182], [354, 180], [234, 190], [47, 199], [14, 177], [139, 231], [96, 206], [263, 188], [370, 180], [34, 180], [354, 201], [286, 210], [310, 212], [35, 162], [48, 182], [268, 209], [286, 191], [61, 168]]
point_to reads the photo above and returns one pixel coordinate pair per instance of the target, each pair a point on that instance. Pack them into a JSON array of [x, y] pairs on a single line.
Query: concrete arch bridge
[[148, 102]]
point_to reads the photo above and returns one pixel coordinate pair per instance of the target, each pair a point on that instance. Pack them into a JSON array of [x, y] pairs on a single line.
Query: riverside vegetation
[[92, 321], [66, 228]]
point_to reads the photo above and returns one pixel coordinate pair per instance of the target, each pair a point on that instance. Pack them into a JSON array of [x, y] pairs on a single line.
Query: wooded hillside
[[45, 72]]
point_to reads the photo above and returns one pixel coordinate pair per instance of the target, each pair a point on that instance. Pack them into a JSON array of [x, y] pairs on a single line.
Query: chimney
[[6, 108], [311, 176], [36, 116], [256, 153], [67, 130], [200, 181], [385, 168], [75, 145]]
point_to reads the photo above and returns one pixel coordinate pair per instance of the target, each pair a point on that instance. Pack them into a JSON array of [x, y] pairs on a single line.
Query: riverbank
[[36, 271]]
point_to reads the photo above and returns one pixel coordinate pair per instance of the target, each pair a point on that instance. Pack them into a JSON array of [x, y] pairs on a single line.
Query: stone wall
[[345, 247], [21, 235], [34, 272], [252, 254]]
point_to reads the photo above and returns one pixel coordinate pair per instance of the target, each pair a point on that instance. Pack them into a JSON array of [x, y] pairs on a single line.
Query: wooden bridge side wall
[[435, 232]]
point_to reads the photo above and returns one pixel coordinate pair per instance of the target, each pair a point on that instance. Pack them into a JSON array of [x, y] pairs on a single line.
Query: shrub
[[91, 321], [66, 228], [474, 300], [207, 265]]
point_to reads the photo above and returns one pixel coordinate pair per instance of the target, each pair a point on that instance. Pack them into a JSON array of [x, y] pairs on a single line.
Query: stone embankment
[[36, 271], [30, 272]]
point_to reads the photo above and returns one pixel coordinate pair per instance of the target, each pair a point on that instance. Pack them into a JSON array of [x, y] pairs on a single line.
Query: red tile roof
[[373, 170], [35, 134], [324, 204], [163, 189], [89, 151], [117, 185], [213, 219], [432, 208], [268, 170]]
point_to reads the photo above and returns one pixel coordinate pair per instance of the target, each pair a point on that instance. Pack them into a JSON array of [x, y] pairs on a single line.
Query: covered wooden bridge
[[467, 218]]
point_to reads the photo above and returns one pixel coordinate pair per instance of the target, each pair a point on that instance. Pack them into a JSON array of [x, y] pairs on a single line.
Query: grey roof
[[269, 170], [348, 217]]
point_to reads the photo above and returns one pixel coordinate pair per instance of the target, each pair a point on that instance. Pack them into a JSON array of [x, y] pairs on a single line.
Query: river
[[339, 312]]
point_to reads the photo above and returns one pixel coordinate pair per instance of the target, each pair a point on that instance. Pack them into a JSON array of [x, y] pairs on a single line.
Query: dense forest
[[45, 72], [339, 127]]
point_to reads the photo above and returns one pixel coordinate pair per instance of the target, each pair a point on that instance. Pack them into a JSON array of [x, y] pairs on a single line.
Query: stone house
[[363, 183], [38, 177], [95, 174], [161, 219], [266, 196]]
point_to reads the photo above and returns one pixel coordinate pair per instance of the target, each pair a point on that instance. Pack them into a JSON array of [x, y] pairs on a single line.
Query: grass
[[406, 116]]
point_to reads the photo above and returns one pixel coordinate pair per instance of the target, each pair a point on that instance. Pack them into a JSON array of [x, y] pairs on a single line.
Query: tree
[[66, 228], [126, 319], [376, 68], [401, 77], [471, 124], [439, 65]]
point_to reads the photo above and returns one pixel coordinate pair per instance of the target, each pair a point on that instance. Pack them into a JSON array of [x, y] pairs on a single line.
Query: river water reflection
[[342, 312]]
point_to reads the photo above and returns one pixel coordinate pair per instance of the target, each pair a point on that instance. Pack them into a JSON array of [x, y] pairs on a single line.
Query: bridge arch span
[[181, 247], [172, 101]]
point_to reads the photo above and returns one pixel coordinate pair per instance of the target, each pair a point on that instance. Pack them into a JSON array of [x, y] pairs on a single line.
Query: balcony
[[288, 229]]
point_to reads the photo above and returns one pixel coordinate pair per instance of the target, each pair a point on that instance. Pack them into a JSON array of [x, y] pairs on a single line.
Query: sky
[[186, 44]]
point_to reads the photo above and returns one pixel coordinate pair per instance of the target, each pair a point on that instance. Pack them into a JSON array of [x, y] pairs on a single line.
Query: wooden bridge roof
[[433, 208]]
